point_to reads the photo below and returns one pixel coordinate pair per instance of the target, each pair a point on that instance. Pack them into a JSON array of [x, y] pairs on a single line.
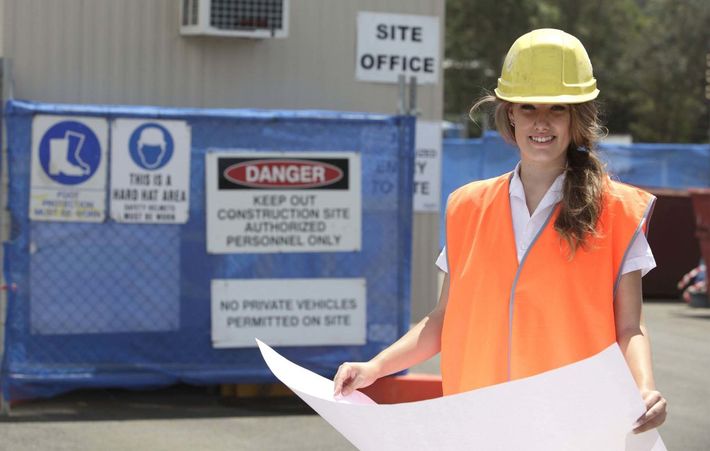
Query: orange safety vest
[[506, 320]]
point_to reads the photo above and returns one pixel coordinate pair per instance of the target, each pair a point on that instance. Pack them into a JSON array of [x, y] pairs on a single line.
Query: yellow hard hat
[[547, 66]]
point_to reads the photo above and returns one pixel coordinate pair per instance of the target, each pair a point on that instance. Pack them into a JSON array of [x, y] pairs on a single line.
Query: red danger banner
[[283, 173], [263, 202]]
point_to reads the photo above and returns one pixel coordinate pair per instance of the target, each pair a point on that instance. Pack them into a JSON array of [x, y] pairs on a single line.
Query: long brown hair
[[585, 177]]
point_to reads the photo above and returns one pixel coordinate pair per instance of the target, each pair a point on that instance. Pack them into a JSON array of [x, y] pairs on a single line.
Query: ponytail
[[585, 178]]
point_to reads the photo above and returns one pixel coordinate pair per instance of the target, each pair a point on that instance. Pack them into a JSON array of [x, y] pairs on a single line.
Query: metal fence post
[[412, 110], [401, 95]]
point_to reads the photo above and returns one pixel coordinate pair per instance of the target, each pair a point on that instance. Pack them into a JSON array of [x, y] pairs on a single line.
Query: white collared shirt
[[526, 226]]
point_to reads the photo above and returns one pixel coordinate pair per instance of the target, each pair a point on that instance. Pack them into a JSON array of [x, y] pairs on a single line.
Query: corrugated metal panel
[[2, 15], [425, 250], [104, 51], [131, 52]]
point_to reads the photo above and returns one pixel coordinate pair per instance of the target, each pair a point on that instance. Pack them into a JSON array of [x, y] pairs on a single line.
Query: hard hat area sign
[[392, 44], [68, 176], [150, 171], [283, 202]]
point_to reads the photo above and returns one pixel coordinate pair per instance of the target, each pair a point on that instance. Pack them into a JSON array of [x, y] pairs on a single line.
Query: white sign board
[[265, 202], [392, 44], [68, 178], [288, 312], [427, 167], [150, 171]]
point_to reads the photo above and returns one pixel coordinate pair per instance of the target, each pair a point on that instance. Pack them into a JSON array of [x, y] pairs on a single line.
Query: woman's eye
[[527, 107], [559, 108]]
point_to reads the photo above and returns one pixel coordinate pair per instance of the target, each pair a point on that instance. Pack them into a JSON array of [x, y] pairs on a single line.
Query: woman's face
[[542, 132]]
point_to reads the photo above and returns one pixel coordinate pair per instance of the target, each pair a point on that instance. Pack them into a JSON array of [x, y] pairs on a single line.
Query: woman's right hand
[[420, 343], [354, 375]]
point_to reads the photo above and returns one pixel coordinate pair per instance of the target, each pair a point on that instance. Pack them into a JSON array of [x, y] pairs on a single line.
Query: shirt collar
[[552, 196]]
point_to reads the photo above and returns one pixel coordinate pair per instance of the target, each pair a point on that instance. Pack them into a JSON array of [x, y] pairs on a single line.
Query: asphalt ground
[[194, 418]]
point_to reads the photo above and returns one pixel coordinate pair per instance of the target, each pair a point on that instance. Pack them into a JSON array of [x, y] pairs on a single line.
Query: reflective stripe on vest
[[506, 320]]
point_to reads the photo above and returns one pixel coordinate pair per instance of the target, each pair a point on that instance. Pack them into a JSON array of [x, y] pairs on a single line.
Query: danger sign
[[283, 202], [392, 44]]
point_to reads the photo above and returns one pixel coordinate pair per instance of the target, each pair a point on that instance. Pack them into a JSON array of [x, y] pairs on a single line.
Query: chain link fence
[[128, 305]]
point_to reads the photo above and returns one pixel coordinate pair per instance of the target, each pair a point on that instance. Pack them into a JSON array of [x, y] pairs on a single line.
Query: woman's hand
[[420, 343], [354, 375], [656, 410]]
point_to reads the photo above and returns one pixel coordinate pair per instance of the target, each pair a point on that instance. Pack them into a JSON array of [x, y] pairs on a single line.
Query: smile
[[541, 139]]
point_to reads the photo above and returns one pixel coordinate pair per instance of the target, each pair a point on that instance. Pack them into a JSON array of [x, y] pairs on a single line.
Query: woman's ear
[[510, 116]]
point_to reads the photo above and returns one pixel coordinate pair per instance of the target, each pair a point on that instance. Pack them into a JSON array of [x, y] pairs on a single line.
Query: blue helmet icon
[[151, 146]]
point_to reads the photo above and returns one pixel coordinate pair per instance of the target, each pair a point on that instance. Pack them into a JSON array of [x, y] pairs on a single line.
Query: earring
[[512, 124]]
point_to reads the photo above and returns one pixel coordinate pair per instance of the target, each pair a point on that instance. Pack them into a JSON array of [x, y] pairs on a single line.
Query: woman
[[543, 265]]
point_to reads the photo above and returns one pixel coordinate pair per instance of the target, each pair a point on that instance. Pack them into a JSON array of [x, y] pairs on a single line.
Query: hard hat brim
[[566, 98]]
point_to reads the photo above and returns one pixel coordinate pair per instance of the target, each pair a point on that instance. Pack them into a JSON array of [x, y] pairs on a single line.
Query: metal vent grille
[[190, 15], [247, 14]]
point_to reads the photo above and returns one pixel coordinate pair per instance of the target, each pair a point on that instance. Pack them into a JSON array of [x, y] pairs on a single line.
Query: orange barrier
[[388, 390], [408, 388]]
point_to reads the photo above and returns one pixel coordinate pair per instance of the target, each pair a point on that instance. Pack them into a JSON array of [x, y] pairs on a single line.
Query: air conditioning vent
[[236, 18], [189, 13]]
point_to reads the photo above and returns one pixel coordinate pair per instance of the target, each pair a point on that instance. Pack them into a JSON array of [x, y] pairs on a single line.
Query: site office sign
[[268, 202], [392, 44]]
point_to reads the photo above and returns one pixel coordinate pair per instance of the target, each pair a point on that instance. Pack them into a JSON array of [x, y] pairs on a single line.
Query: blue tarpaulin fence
[[128, 305], [675, 166]]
